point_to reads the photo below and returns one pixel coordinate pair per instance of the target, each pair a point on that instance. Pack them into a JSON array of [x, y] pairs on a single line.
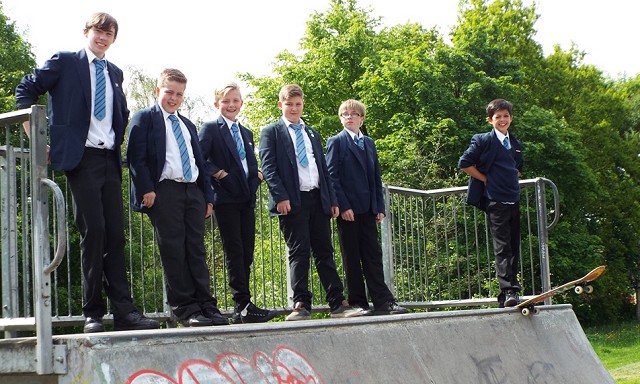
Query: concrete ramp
[[469, 346]]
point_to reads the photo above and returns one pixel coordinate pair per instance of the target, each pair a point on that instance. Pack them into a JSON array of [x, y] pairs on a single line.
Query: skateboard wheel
[[579, 290], [536, 311], [588, 289], [526, 312]]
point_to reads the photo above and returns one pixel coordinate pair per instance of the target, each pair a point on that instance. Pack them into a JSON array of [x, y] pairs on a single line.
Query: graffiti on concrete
[[285, 366]]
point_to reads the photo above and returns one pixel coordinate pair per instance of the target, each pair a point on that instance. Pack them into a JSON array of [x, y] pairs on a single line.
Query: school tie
[[359, 142], [300, 148], [238, 140], [182, 146], [505, 143], [99, 105]]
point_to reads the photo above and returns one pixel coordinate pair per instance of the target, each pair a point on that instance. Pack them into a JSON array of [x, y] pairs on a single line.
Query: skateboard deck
[[581, 285]]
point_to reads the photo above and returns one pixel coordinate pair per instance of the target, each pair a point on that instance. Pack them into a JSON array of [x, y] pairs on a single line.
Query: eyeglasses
[[347, 114]]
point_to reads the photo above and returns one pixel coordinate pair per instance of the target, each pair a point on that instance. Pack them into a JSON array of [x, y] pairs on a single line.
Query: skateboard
[[581, 285]]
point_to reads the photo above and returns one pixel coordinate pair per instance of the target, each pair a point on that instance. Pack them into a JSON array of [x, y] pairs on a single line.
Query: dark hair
[[102, 21], [498, 104]]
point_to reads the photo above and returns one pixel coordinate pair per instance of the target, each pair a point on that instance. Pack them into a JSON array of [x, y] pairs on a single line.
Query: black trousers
[[362, 258], [504, 223], [96, 187], [178, 218], [237, 225], [305, 233]]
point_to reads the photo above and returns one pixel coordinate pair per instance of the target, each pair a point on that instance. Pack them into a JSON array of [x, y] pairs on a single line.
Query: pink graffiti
[[286, 366]]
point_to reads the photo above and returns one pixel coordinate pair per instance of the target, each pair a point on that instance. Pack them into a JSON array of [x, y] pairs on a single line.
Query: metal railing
[[437, 250]]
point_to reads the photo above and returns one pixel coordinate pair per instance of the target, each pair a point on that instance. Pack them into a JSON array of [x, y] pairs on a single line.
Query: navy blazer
[[147, 153], [220, 152], [482, 153], [358, 185], [280, 168], [67, 78]]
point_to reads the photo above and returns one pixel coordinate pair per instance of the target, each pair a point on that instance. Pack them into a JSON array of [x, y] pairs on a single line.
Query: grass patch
[[618, 347]]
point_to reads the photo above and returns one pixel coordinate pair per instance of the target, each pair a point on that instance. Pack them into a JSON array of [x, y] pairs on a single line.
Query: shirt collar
[[229, 122], [501, 136], [91, 56]]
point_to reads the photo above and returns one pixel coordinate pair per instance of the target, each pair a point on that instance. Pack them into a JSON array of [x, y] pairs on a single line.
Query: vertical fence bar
[[40, 220]]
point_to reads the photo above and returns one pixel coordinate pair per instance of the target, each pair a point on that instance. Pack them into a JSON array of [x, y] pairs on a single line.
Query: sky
[[212, 40]]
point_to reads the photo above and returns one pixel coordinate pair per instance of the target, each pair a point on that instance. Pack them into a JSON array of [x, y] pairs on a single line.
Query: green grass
[[618, 347]]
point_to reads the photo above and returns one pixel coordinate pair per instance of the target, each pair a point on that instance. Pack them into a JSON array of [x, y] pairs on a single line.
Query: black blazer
[[67, 78], [219, 150], [358, 185], [482, 153], [280, 167], [147, 153]]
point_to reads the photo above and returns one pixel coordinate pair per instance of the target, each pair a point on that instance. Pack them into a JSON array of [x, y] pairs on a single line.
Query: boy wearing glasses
[[353, 164], [302, 197]]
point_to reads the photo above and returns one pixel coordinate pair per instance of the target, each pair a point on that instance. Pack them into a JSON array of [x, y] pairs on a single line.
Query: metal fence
[[437, 250]]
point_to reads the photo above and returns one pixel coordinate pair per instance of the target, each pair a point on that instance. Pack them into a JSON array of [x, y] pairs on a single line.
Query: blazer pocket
[[229, 186]]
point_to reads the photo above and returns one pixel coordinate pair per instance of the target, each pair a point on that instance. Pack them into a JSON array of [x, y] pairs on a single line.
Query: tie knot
[[99, 64], [506, 143], [173, 118], [234, 127], [296, 127]]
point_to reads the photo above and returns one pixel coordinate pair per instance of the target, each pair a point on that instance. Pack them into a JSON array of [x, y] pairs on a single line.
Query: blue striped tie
[[360, 142], [182, 146], [300, 148], [238, 140], [506, 143], [99, 105]]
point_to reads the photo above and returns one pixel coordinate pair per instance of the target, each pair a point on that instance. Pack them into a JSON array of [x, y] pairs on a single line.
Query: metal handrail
[[61, 225]]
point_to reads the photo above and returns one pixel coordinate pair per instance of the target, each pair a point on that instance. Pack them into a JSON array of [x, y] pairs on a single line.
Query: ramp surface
[[487, 346]]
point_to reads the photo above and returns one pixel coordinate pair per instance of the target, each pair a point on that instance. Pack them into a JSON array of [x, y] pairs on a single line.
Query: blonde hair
[[289, 91], [226, 88], [353, 105], [171, 74]]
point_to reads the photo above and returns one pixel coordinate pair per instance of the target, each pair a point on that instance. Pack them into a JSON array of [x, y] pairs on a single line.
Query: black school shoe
[[93, 325], [390, 308], [214, 315], [133, 321], [510, 298], [253, 314]]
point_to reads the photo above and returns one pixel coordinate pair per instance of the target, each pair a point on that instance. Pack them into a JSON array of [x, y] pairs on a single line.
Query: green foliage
[[16, 60], [426, 98]]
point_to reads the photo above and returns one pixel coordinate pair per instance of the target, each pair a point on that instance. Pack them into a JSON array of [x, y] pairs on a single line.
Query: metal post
[[543, 236], [387, 241], [41, 257]]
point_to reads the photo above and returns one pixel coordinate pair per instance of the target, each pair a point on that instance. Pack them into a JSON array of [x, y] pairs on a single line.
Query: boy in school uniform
[[228, 149], [353, 164], [302, 196], [494, 163], [171, 186], [88, 115]]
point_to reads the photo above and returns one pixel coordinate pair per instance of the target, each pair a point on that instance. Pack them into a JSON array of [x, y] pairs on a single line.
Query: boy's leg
[[371, 252], [168, 218], [295, 230], [233, 222], [348, 234], [502, 221], [97, 196], [320, 238]]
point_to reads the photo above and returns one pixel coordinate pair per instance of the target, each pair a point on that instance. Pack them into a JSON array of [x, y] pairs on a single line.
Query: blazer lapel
[[159, 136], [229, 141], [85, 76], [353, 147], [288, 144]]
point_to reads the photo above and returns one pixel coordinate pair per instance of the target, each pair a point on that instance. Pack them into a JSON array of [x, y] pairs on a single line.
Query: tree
[[16, 60]]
